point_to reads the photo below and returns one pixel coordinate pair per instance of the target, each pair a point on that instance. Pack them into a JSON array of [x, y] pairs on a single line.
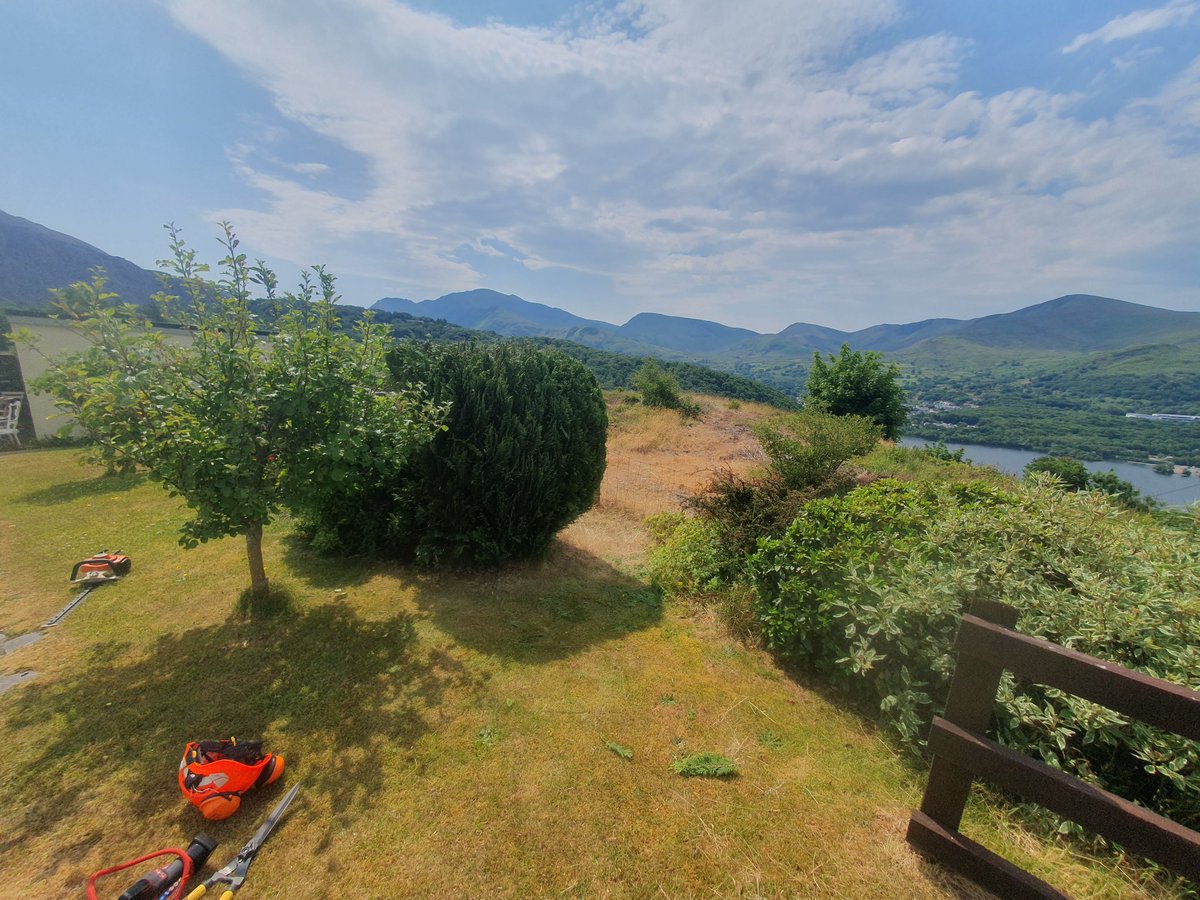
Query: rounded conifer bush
[[520, 457]]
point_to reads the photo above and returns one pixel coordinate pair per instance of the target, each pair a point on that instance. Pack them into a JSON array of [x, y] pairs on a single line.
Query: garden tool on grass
[[213, 775], [92, 572], [172, 876], [170, 879], [234, 873]]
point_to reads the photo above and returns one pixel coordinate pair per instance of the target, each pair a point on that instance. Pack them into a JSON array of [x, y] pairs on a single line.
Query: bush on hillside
[[939, 451], [866, 590], [1074, 476], [807, 452], [660, 388], [859, 384], [521, 456], [1071, 472], [807, 448]]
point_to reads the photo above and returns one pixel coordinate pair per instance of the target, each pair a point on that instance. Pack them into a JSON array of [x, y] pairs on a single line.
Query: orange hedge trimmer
[[92, 572]]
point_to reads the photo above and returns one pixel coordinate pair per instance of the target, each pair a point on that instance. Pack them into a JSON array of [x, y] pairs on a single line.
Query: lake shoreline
[[1167, 490]]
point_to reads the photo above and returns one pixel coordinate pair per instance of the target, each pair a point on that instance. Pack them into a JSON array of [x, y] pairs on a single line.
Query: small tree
[[858, 384], [239, 422], [1071, 472], [807, 448], [1075, 477], [661, 389], [103, 388], [657, 386]]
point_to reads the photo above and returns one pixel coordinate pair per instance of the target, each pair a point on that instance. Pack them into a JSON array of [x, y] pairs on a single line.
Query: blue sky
[[842, 162]]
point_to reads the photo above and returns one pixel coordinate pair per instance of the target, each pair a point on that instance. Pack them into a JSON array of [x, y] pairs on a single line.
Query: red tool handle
[[176, 894]]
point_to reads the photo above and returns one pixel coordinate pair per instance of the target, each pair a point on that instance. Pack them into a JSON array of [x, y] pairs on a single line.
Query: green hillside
[[1082, 323], [1062, 403], [684, 334], [34, 259], [615, 370]]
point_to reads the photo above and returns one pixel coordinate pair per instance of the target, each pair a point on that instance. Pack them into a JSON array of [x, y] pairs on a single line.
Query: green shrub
[[806, 448], [1071, 472], [866, 589], [661, 389], [1074, 476], [744, 509], [807, 451], [657, 386], [859, 384], [521, 456], [940, 451], [692, 558]]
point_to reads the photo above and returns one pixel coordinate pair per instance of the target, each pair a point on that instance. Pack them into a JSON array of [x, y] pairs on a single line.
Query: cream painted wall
[[54, 338]]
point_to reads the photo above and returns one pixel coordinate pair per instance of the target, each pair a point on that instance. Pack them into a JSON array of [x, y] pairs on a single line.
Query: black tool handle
[[149, 885]]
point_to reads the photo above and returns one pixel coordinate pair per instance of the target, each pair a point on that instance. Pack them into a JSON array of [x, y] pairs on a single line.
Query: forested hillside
[[1072, 406]]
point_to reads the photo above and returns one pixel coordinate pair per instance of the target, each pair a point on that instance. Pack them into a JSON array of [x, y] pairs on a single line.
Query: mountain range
[[34, 259], [1076, 323]]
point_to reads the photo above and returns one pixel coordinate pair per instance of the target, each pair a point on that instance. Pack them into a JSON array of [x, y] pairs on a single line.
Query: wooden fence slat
[[1134, 827], [1172, 707], [970, 703], [981, 865]]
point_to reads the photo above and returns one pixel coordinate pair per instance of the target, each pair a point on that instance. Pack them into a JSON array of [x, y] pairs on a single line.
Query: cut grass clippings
[[704, 765], [620, 749], [444, 726]]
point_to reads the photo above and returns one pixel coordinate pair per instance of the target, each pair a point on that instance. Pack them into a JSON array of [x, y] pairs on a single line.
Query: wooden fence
[[986, 647]]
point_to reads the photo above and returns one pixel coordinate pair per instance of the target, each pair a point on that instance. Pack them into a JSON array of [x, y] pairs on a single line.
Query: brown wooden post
[[986, 646], [972, 698]]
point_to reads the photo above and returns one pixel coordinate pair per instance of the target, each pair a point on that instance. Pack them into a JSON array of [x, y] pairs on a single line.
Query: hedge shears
[[234, 874]]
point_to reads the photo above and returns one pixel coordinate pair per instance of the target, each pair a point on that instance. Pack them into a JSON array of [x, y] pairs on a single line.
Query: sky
[[756, 163]]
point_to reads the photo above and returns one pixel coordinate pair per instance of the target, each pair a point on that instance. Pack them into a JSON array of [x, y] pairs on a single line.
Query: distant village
[[1163, 417]]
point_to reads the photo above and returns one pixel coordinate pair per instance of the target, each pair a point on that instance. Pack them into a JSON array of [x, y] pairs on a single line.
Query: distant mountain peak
[[35, 259], [681, 333]]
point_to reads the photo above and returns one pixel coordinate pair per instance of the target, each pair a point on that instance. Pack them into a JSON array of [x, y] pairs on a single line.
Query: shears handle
[[199, 891]]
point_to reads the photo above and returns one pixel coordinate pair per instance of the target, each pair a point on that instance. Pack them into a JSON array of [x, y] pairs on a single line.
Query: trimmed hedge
[[866, 590], [521, 456]]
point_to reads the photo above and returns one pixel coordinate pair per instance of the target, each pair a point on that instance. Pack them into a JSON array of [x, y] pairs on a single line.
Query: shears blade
[[255, 842]]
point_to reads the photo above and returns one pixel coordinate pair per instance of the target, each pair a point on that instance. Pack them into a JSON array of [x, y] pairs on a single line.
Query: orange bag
[[213, 775]]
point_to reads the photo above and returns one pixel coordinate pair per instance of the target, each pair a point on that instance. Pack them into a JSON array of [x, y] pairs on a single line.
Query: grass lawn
[[450, 730]]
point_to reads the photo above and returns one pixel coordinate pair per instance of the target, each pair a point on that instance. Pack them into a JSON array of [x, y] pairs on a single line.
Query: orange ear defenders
[[213, 775]]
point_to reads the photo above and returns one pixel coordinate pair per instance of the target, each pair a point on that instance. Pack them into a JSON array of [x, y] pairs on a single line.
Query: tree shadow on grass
[[540, 611], [332, 692], [323, 570], [85, 487]]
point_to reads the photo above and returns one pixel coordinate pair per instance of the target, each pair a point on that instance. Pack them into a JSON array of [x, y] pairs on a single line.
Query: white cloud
[[307, 168], [1142, 21], [738, 162]]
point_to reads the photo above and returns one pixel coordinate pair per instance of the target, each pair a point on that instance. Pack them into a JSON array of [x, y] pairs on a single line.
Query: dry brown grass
[[656, 459], [449, 729]]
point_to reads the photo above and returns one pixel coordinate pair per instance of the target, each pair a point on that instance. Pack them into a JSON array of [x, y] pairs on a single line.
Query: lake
[[1169, 490]]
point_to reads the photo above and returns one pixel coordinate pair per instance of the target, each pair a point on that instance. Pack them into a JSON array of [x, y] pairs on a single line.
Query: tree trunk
[[259, 586]]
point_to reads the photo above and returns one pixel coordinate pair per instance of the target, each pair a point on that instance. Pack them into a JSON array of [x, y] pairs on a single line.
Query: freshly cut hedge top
[[521, 457], [867, 588]]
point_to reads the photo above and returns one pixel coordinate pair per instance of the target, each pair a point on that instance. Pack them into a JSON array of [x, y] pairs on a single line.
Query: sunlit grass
[[454, 733]]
